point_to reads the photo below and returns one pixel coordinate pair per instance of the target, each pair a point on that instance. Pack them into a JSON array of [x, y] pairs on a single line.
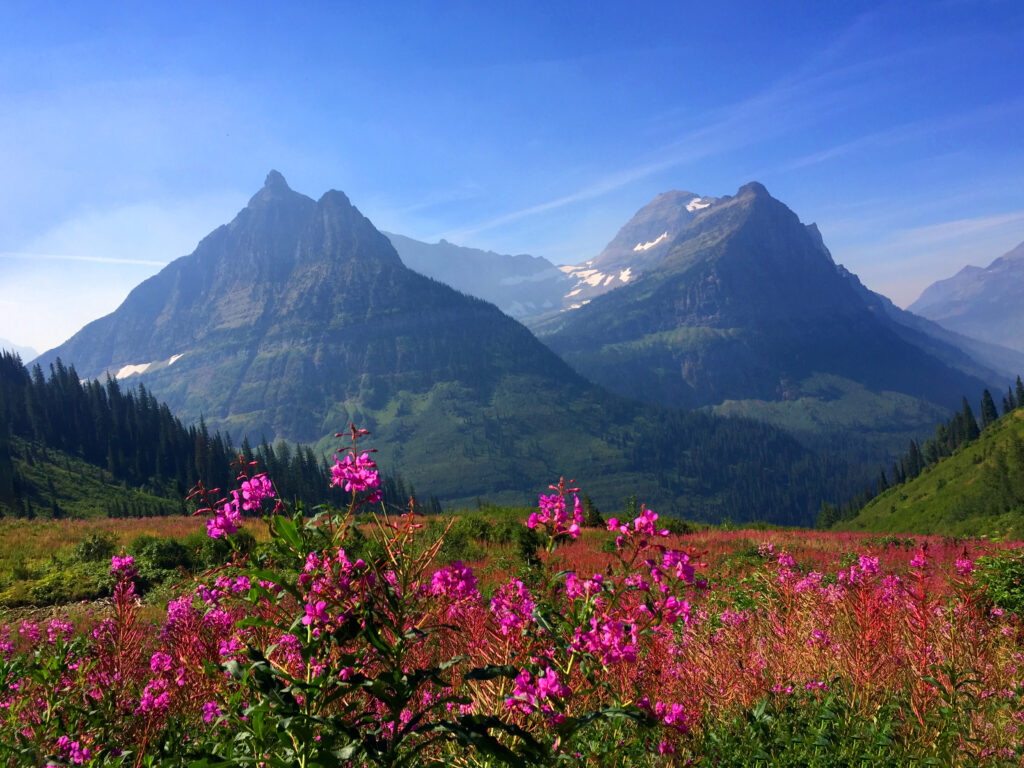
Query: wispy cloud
[[788, 104], [947, 231], [70, 257]]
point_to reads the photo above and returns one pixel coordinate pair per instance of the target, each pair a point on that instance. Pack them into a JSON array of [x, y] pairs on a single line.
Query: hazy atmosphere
[[133, 130]]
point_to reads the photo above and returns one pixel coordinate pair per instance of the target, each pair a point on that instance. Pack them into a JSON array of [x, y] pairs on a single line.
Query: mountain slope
[[991, 362], [987, 304], [299, 317], [979, 490], [746, 304], [518, 285]]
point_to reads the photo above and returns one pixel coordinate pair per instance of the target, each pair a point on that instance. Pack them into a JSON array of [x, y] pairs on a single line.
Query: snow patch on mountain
[[652, 243], [131, 370], [696, 204]]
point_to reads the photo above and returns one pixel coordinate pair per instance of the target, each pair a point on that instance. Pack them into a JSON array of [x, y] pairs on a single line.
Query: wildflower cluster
[[345, 640]]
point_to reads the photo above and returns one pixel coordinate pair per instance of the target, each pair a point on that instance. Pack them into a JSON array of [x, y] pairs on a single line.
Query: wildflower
[[210, 711], [554, 515], [226, 519], [59, 630], [161, 662], [787, 567], [512, 606], [457, 584], [122, 567], [73, 750], [30, 631], [643, 524], [537, 694], [964, 566], [356, 473], [254, 490], [610, 640], [155, 697]]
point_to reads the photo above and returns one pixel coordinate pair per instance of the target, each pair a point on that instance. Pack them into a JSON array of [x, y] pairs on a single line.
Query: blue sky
[[130, 130]]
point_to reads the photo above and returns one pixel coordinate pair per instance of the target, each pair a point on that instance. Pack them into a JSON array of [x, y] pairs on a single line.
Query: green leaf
[[491, 671]]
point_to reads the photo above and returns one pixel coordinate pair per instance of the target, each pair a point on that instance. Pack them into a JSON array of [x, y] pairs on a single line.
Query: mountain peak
[[275, 180], [274, 188], [754, 189]]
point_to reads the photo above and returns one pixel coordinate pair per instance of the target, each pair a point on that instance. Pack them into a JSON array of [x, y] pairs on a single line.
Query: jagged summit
[[753, 188], [736, 303], [274, 190], [275, 180]]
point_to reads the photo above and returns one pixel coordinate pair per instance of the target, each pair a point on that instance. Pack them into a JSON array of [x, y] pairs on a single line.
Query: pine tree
[[989, 414], [969, 423], [1020, 393]]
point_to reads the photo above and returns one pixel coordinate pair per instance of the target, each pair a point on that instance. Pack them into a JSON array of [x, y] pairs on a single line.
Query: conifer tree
[[1020, 393], [969, 423], [989, 414]]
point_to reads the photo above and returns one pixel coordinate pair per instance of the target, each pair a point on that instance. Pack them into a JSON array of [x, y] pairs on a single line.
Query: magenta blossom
[[356, 473], [553, 514], [254, 490]]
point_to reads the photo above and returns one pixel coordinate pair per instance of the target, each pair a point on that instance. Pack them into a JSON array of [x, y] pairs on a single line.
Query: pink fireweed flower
[[161, 662], [73, 750], [455, 581], [30, 631], [673, 715], [554, 515], [643, 525], [734, 618], [964, 566], [920, 559], [537, 694], [226, 519], [610, 640], [860, 573], [254, 490], [512, 606], [155, 697], [210, 711], [355, 473], [809, 582], [316, 613], [122, 567], [679, 563], [787, 567], [59, 630], [575, 587]]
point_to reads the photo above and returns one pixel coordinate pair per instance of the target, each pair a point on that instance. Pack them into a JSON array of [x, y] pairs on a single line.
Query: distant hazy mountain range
[[987, 304], [26, 353], [519, 286], [298, 317]]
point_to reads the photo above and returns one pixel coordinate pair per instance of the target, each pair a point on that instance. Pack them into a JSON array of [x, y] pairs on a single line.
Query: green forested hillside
[[978, 491], [70, 448]]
